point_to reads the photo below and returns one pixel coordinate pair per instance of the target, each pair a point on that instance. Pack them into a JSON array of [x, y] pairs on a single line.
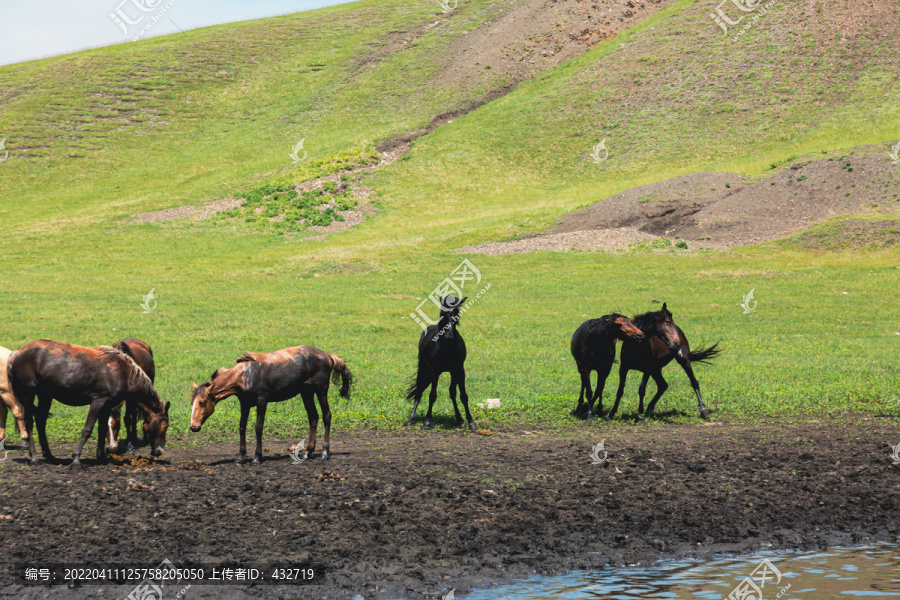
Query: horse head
[[623, 327], [666, 329], [449, 315], [155, 426]]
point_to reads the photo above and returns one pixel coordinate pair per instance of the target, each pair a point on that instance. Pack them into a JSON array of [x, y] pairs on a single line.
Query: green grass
[[822, 339]]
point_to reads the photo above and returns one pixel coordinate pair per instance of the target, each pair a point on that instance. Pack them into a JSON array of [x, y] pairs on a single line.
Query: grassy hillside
[[215, 111]]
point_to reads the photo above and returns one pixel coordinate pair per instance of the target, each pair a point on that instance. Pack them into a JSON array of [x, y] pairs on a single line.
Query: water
[[846, 573]]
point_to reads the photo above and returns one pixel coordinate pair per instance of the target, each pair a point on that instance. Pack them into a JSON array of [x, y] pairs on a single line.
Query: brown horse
[[102, 378], [594, 349], [9, 402], [665, 341], [142, 355], [257, 379]]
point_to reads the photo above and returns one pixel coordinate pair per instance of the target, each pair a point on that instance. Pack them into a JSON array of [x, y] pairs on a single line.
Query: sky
[[31, 29]]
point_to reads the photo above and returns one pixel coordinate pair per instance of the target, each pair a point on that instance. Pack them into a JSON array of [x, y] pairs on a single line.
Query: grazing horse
[[142, 355], [665, 341], [102, 378], [594, 349], [257, 379], [441, 349], [9, 402]]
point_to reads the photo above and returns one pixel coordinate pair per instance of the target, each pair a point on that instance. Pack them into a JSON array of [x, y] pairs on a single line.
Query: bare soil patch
[[410, 514], [725, 210]]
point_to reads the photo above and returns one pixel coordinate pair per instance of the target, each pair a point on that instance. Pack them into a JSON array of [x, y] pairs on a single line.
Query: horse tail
[[705, 355], [340, 372], [420, 382]]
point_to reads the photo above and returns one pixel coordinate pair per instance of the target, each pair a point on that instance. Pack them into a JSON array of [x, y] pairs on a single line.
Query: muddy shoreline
[[414, 514]]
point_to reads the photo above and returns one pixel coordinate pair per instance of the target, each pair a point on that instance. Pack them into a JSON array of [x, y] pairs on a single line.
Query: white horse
[[8, 401]]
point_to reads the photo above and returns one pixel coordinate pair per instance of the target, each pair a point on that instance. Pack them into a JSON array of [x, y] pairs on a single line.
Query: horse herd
[[107, 377]]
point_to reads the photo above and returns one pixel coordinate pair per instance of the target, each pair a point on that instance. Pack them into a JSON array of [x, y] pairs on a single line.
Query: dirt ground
[[413, 515], [726, 210]]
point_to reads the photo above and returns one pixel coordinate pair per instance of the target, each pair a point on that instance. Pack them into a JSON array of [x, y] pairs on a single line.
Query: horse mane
[[646, 322], [245, 357], [137, 378], [601, 325]]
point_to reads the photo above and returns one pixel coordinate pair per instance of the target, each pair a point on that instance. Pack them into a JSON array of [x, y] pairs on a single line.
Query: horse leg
[[313, 417], [131, 425], [432, 396], [28, 406], [40, 420], [686, 365], [422, 383], [602, 375], [585, 393], [2, 425], [623, 375], [93, 413], [260, 422], [661, 387], [242, 428], [453, 384], [465, 398], [103, 416], [642, 389], [326, 420]]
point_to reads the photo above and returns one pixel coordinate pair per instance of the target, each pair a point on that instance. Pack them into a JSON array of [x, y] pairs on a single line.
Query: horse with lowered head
[[594, 349], [260, 378], [665, 341], [441, 350], [141, 353], [102, 378]]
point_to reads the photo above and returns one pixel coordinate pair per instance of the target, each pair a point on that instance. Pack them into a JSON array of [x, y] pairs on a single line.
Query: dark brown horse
[[102, 378], [441, 350], [665, 341], [142, 355], [257, 379], [594, 349]]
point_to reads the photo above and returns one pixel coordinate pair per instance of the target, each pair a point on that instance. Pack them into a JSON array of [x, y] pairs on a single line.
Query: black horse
[[441, 350], [594, 349], [665, 341]]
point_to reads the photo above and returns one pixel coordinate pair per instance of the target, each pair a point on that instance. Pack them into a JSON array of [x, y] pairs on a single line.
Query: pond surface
[[847, 573]]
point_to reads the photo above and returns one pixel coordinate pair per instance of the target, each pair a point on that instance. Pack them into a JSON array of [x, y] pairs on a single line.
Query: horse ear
[[195, 385], [215, 374], [664, 309], [168, 404], [463, 301]]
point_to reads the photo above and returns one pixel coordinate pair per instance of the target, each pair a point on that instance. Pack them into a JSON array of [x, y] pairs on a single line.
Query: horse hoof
[[130, 447], [408, 423], [240, 460], [426, 426], [473, 426], [704, 414], [256, 460], [326, 456]]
